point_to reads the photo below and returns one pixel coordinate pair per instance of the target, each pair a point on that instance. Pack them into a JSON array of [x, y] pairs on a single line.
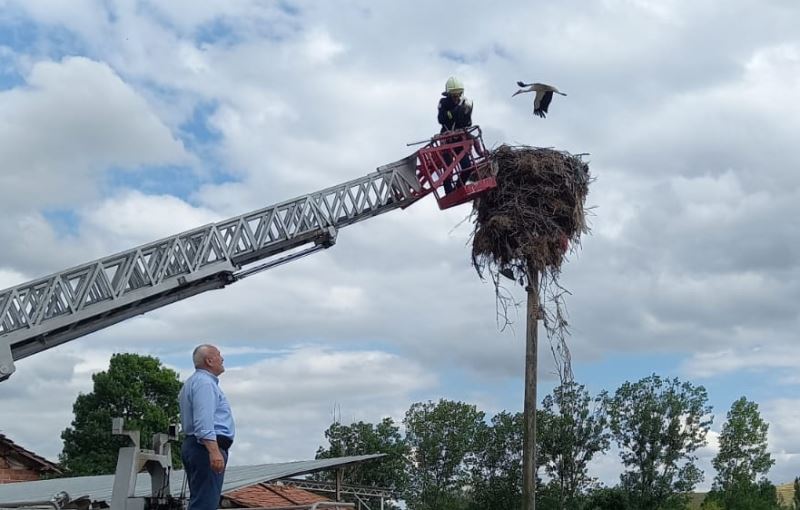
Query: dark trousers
[[462, 176], [205, 486]]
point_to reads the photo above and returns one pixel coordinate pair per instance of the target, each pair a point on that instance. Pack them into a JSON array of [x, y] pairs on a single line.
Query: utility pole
[[529, 412]]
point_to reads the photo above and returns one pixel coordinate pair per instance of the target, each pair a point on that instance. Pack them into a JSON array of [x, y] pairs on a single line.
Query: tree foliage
[[607, 498], [456, 461], [137, 388], [444, 439], [760, 495], [364, 438], [742, 459], [658, 424], [573, 432], [497, 474], [743, 455]]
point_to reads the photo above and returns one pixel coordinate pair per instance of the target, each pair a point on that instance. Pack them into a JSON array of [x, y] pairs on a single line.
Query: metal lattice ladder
[[49, 311]]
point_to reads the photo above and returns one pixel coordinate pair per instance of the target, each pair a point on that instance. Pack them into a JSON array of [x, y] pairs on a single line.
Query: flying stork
[[544, 94]]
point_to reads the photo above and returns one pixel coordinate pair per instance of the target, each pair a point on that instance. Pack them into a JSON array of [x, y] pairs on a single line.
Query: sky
[[122, 122]]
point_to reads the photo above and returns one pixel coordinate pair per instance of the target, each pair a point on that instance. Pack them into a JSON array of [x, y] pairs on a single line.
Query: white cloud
[[11, 278], [320, 48], [74, 121], [783, 414], [282, 403], [113, 224], [134, 218], [761, 358]]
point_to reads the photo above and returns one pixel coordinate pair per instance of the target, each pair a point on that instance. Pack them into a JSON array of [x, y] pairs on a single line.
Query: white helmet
[[453, 85]]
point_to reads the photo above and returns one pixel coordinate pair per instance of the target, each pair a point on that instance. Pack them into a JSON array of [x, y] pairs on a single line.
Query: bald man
[[207, 422]]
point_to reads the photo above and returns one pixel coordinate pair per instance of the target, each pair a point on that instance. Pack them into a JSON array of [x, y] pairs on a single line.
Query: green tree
[[760, 495], [137, 388], [497, 475], [444, 439], [710, 503], [796, 496], [573, 433], [364, 438], [743, 455], [742, 459], [607, 498], [658, 424]]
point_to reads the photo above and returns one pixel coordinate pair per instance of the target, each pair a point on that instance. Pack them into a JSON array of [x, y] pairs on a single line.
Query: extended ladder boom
[[49, 311]]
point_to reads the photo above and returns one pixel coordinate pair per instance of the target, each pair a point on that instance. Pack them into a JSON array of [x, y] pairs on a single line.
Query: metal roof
[[98, 488]]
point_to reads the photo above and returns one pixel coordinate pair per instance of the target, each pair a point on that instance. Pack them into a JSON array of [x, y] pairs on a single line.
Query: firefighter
[[455, 112]]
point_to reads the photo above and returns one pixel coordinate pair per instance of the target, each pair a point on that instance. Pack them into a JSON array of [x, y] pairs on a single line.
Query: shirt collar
[[207, 373]]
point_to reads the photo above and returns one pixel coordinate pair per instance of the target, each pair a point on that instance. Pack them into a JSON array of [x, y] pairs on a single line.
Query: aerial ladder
[[49, 311]]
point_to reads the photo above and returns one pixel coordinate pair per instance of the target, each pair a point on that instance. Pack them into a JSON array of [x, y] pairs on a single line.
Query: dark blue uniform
[[455, 114]]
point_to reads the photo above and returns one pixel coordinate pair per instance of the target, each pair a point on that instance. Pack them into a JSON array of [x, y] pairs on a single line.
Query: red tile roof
[[34, 461], [264, 495]]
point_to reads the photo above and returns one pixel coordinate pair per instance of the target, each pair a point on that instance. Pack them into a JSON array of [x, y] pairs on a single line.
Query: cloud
[[284, 400], [10, 278], [287, 402], [116, 223], [133, 218], [320, 48], [782, 415], [39, 396], [773, 360], [74, 121]]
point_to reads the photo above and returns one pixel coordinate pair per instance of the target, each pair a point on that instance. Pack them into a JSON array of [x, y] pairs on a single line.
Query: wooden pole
[[529, 413]]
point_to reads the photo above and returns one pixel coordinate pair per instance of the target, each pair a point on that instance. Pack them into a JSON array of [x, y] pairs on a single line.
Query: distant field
[[785, 495], [696, 500]]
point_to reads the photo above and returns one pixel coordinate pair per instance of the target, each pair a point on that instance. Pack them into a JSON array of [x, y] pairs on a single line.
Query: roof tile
[[38, 462], [264, 495]]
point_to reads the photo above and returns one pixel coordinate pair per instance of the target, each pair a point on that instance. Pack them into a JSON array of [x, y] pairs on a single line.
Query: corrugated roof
[[98, 488], [42, 463]]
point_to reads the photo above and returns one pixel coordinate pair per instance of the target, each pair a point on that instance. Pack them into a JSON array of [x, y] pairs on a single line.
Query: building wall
[[12, 471]]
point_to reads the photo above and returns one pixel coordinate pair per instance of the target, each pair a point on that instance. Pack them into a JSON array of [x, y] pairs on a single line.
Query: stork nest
[[534, 214], [527, 225]]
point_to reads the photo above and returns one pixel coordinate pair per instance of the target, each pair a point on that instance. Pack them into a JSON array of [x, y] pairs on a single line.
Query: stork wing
[[547, 97], [541, 102]]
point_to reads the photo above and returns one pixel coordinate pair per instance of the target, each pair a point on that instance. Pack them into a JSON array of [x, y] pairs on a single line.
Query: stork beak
[[517, 92]]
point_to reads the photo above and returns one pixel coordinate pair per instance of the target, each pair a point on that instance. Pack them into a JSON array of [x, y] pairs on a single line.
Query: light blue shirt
[[205, 412]]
